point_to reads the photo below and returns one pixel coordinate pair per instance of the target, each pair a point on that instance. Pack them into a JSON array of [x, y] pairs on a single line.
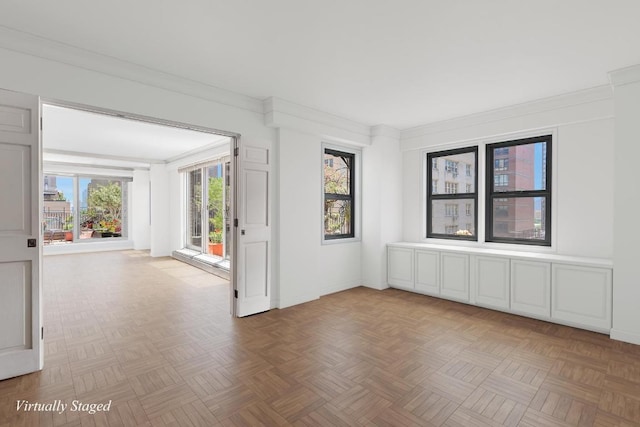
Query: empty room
[[360, 213]]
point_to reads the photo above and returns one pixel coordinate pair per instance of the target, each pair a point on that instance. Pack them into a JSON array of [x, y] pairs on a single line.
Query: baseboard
[[629, 337], [339, 287], [380, 287], [289, 302], [84, 247]]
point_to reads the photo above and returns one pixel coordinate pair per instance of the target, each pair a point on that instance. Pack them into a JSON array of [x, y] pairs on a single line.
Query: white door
[[251, 264], [21, 349]]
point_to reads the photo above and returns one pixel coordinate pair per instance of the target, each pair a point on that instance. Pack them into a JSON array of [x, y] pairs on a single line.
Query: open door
[[251, 269], [21, 349]]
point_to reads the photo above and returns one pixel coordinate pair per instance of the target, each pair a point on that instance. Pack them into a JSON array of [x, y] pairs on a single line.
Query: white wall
[[140, 210], [626, 277], [583, 164], [307, 268], [382, 203], [161, 202]]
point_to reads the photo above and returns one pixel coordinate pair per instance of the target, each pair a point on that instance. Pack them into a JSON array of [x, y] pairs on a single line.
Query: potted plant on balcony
[[68, 229], [215, 242]]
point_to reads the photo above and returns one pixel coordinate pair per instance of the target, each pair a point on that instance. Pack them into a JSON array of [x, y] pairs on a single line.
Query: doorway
[[90, 150]]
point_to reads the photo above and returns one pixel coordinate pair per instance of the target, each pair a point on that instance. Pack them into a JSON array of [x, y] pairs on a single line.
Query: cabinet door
[[582, 295], [454, 276], [400, 267], [427, 272], [492, 281], [531, 287]]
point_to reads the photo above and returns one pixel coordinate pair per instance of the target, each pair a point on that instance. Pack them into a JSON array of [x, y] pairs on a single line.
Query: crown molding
[[385, 131], [528, 108], [581, 106], [41, 47], [625, 76], [285, 114]]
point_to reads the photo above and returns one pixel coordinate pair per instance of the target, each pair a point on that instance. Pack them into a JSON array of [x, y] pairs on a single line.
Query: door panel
[[15, 306], [21, 349], [251, 269], [15, 161]]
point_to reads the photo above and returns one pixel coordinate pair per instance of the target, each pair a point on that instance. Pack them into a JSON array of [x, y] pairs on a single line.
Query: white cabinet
[[400, 267], [581, 295], [428, 272], [492, 281], [531, 287], [568, 290], [454, 275]]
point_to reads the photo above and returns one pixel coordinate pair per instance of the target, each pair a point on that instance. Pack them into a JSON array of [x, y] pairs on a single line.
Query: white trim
[[576, 107], [629, 337], [30, 44], [73, 248], [357, 199], [279, 113], [482, 143], [625, 76]]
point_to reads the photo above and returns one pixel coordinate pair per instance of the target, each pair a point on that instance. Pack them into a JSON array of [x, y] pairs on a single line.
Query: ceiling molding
[[41, 47], [625, 76], [577, 107], [385, 131], [285, 114], [519, 110], [101, 156]]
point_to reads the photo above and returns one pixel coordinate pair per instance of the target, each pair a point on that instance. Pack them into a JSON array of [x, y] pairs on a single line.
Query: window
[[443, 208], [519, 204], [501, 164], [468, 167], [79, 207], [434, 164], [501, 180], [451, 166], [450, 187], [339, 189], [208, 191], [451, 210]]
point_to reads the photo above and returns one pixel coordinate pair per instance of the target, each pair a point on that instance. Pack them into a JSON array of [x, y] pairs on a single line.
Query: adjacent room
[[319, 213]]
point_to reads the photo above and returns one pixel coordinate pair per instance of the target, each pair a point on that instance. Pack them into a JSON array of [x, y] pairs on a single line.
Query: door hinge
[[42, 333], [236, 151], [40, 123], [235, 222], [235, 293]]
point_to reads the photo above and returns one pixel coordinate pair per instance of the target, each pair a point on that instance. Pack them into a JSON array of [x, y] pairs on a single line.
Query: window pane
[[520, 167], [337, 174], [519, 218], [194, 203], [456, 176], [337, 217], [215, 209], [57, 215], [101, 209], [455, 217]]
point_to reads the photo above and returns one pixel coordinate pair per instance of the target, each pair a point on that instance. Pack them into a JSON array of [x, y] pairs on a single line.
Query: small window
[[444, 207], [339, 189], [519, 191]]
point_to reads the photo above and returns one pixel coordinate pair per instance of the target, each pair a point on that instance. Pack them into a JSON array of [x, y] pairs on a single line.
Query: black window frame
[[335, 196], [491, 194], [451, 196]]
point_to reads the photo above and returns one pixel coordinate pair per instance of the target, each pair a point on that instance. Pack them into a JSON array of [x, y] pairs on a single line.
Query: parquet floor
[[155, 337]]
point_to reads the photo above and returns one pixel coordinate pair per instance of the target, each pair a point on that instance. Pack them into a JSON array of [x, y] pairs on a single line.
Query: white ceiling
[[402, 63], [74, 136]]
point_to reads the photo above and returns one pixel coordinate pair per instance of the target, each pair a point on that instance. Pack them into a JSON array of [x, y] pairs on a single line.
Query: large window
[[80, 208], [518, 207], [339, 192], [208, 208], [451, 193]]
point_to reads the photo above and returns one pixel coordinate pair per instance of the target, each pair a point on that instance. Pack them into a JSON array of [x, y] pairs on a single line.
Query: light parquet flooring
[[155, 337]]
